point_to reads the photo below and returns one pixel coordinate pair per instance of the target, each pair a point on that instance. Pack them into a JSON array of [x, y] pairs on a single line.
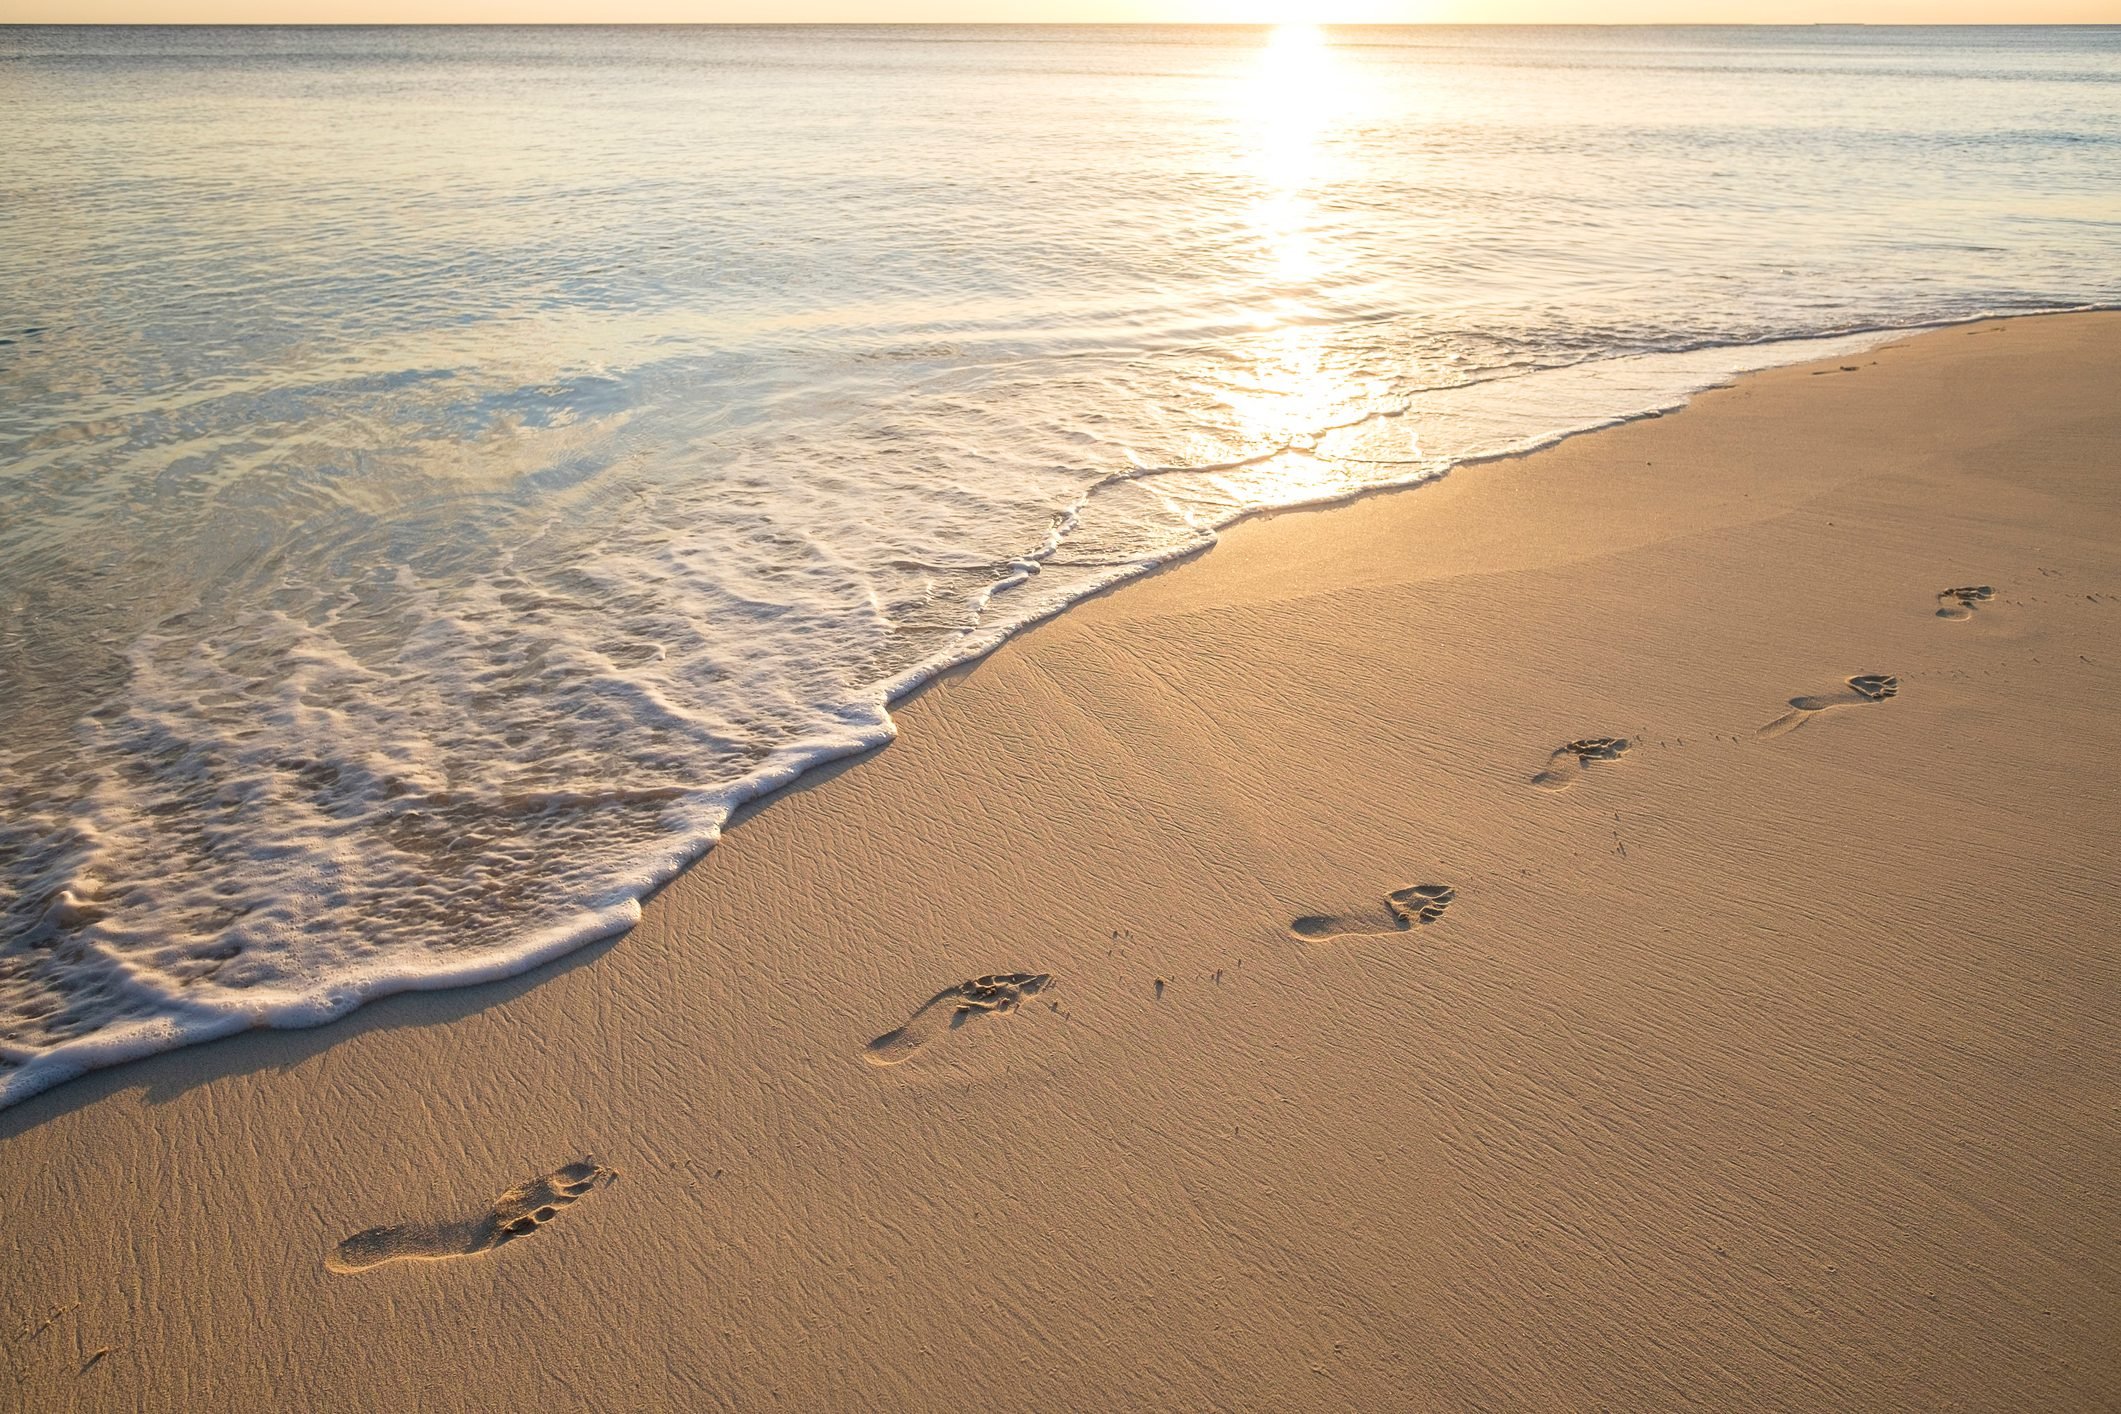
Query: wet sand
[[1473, 947]]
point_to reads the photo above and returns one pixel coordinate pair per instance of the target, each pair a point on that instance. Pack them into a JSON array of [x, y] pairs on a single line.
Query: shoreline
[[617, 910], [1139, 797]]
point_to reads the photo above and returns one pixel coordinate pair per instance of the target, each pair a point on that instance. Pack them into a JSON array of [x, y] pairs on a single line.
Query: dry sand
[[1754, 1071]]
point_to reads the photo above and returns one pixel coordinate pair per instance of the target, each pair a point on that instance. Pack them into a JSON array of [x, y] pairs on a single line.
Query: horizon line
[[1058, 24]]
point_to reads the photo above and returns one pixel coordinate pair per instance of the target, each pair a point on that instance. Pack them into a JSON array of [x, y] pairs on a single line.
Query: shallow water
[[442, 472]]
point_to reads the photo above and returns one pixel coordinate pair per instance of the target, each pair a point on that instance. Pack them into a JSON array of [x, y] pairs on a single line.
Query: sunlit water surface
[[442, 472]]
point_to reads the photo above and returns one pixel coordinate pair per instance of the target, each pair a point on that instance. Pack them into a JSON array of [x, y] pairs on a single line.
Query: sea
[[444, 472]]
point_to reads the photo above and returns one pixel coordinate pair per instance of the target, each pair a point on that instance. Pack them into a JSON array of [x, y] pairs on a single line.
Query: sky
[[1064, 11]]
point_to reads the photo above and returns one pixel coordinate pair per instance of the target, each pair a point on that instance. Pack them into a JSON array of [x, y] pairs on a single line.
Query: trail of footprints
[[1402, 910], [528, 1206], [1572, 760]]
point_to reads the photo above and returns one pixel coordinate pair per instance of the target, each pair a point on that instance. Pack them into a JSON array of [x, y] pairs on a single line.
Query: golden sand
[[1475, 947]]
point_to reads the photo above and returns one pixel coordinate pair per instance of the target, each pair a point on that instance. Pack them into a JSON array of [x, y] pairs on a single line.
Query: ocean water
[[443, 472]]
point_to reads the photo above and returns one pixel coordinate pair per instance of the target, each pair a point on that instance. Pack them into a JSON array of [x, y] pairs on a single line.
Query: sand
[[1728, 1068]]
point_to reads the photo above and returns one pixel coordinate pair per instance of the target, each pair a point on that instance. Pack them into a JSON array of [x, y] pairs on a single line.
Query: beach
[[1760, 1053]]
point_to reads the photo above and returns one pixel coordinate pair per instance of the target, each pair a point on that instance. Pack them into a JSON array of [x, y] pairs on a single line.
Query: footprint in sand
[[1959, 603], [1864, 687], [519, 1212], [998, 993], [1570, 760], [1423, 903]]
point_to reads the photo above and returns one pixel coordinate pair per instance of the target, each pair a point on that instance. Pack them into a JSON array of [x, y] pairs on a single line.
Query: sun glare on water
[[1292, 100], [1288, 107]]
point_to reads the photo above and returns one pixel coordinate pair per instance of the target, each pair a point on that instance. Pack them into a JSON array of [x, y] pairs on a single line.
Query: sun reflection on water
[[1291, 101], [1294, 98]]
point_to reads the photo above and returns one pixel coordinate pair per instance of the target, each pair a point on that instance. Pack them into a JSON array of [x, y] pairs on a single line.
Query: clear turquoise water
[[442, 472]]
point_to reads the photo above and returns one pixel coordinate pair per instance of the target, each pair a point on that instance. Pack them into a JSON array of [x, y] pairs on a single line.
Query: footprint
[[519, 1212], [1571, 760], [997, 992], [1959, 603], [1864, 687], [1423, 903]]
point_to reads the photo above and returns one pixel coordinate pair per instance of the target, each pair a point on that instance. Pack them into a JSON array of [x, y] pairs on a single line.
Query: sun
[[1294, 43]]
